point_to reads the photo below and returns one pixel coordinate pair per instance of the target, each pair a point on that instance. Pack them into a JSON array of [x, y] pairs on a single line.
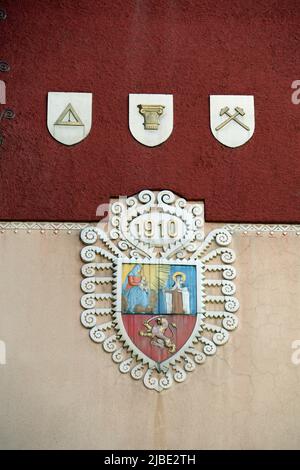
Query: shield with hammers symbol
[[232, 119]]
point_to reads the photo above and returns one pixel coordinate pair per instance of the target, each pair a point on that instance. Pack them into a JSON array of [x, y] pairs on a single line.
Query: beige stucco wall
[[58, 389]]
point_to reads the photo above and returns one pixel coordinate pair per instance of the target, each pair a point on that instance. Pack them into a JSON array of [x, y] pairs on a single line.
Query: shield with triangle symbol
[[69, 116]]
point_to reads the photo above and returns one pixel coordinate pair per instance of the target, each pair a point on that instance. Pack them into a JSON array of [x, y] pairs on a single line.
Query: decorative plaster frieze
[[238, 229], [70, 226], [271, 229]]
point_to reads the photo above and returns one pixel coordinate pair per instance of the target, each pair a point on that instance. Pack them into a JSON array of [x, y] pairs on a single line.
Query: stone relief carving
[[157, 239]]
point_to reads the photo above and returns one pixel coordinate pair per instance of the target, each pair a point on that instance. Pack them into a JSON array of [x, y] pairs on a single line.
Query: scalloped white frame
[[118, 247]]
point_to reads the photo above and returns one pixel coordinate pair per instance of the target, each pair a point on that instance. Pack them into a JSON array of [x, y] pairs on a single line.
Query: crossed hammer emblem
[[232, 117]]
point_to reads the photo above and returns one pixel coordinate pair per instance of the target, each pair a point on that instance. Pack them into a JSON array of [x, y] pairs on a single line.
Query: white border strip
[[43, 225], [232, 228], [263, 228]]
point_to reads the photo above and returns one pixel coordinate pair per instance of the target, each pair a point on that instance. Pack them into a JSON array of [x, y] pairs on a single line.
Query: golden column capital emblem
[[151, 113]]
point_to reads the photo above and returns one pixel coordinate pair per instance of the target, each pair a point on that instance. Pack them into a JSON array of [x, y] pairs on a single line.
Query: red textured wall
[[189, 48]]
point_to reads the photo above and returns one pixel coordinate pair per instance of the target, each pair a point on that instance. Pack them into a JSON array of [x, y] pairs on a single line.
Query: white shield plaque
[[232, 119], [69, 116], [150, 118]]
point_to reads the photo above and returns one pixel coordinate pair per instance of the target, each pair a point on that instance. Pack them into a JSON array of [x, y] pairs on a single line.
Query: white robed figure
[[178, 297]]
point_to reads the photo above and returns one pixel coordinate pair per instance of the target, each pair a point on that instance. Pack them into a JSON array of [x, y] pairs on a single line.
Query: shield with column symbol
[[151, 118]]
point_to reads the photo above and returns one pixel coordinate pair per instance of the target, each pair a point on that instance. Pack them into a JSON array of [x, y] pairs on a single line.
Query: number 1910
[[159, 229]]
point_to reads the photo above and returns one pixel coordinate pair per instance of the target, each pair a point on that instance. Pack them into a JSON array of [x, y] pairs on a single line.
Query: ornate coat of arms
[[158, 295]]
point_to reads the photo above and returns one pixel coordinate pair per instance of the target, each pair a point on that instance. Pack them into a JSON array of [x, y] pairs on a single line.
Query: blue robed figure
[[135, 290]]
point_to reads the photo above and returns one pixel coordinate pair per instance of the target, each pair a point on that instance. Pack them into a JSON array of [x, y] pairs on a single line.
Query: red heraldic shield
[[159, 337]]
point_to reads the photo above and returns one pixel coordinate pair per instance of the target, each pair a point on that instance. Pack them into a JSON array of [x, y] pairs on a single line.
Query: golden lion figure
[[157, 333]]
